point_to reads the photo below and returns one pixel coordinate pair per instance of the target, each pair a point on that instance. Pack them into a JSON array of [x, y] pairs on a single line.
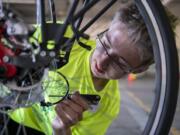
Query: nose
[[104, 61]]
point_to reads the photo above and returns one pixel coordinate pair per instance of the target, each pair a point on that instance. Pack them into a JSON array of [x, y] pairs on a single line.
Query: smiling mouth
[[98, 69]]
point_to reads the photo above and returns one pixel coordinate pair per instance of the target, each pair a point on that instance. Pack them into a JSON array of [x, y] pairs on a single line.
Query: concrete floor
[[137, 97]]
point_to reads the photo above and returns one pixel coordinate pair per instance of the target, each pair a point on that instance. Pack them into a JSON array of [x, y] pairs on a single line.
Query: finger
[[75, 107], [62, 117], [57, 124], [76, 97], [57, 127], [70, 114], [66, 113]]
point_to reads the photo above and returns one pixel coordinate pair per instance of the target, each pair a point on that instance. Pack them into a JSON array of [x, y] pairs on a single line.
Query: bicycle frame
[[74, 20]]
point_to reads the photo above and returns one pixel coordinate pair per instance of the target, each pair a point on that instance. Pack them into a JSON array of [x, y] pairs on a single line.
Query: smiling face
[[110, 60]]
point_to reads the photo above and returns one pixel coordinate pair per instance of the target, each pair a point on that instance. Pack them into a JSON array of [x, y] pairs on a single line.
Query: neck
[[99, 83]]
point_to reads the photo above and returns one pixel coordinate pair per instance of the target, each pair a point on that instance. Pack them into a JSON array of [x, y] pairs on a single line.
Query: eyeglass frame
[[129, 69]]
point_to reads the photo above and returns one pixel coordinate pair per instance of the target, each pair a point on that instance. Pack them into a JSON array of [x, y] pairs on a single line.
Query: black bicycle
[[25, 59]]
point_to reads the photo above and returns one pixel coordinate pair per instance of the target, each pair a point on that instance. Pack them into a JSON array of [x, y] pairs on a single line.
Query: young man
[[125, 47]]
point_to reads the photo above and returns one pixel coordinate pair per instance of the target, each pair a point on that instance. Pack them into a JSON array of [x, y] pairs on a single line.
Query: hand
[[69, 112]]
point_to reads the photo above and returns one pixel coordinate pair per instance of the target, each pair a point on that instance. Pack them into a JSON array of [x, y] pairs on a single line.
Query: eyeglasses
[[120, 61]]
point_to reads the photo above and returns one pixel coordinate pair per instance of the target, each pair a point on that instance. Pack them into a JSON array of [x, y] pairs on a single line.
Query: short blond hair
[[138, 34], [130, 16]]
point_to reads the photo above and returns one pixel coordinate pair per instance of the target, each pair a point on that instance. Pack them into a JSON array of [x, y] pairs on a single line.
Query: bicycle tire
[[166, 60]]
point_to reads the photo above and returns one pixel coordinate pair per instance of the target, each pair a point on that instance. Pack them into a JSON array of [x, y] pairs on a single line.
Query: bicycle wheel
[[162, 113]]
